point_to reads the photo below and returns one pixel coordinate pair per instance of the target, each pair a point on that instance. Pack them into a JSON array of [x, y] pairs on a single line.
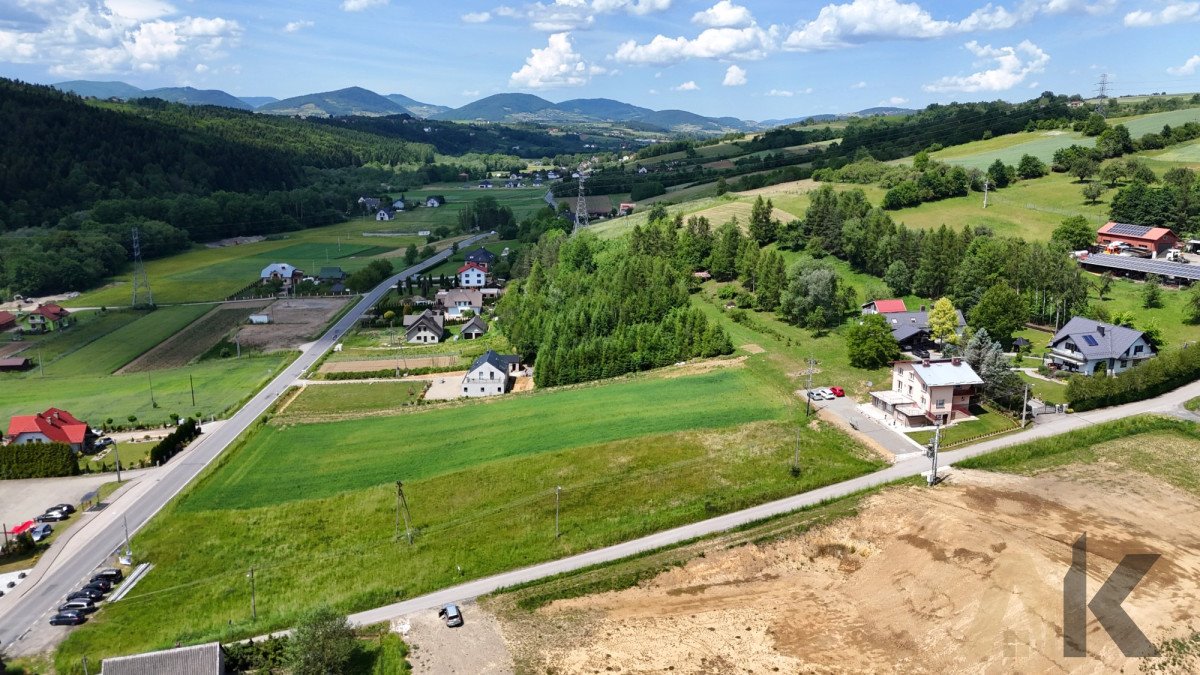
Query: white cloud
[[1188, 68], [360, 5], [506, 11], [73, 37], [859, 85], [690, 85], [735, 76], [1173, 12], [477, 17], [1011, 66], [295, 26], [724, 14], [567, 15], [1064, 6], [201, 69], [894, 101], [557, 65], [471, 93], [784, 93], [752, 42]]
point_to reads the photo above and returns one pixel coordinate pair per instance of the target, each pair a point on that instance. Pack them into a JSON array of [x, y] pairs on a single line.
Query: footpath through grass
[[496, 512], [287, 462]]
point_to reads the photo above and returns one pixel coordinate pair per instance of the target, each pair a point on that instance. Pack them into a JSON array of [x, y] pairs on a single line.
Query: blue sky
[[746, 58]]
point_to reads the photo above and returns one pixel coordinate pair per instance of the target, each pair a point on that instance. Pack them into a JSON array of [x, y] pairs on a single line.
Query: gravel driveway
[[22, 500], [474, 648]]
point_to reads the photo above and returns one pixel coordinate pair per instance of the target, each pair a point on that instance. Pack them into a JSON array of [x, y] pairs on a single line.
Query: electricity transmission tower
[[142, 296], [581, 212], [1102, 94]]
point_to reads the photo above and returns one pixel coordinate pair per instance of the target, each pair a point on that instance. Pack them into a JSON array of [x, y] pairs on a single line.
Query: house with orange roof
[[1155, 240]]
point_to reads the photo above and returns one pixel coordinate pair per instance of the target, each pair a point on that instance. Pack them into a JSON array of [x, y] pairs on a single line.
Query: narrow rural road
[[63, 569], [1169, 403]]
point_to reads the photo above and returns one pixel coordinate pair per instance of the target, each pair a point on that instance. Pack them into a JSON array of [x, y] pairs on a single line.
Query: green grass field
[[368, 397], [988, 422], [1046, 392], [1010, 147], [327, 458], [140, 332], [219, 385], [1184, 153], [624, 474]]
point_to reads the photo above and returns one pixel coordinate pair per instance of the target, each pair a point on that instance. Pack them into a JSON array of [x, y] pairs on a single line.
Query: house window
[[1137, 350], [464, 390], [481, 390], [941, 403], [924, 387], [491, 375]]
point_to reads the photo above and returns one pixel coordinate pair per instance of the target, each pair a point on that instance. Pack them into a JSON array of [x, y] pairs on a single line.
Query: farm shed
[[1157, 240], [260, 319], [1172, 272]]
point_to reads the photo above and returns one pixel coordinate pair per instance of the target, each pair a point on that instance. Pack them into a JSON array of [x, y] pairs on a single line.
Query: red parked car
[[838, 391]]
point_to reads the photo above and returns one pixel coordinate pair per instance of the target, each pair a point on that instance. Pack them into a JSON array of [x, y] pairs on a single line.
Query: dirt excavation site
[[967, 577]]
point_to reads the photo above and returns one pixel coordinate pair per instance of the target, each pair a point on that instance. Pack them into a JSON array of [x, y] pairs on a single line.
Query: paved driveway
[[22, 500], [846, 412]]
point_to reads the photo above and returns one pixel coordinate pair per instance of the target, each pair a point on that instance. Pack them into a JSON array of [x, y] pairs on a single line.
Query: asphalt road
[[1169, 403], [33, 602]]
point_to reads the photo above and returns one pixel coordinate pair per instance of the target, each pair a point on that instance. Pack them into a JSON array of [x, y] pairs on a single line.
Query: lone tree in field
[[1152, 293], [1083, 168], [1092, 192], [1076, 233], [870, 344], [1105, 285], [323, 643], [1031, 167], [943, 321]]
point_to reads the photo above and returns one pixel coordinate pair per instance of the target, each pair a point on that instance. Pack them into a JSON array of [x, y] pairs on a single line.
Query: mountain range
[[357, 101]]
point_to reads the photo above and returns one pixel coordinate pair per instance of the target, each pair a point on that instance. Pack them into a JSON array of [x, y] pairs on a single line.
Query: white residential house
[[398, 205], [384, 214], [472, 275], [434, 201], [490, 375], [927, 392], [457, 301], [1083, 345], [424, 328]]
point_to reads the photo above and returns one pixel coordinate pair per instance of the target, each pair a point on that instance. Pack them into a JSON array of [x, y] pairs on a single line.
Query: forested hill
[[60, 154]]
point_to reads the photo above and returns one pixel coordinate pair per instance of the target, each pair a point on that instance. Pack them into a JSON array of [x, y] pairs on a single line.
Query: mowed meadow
[[313, 507]]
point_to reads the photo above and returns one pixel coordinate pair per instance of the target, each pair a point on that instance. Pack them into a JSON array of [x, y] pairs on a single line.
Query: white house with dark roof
[[490, 375], [929, 392], [425, 328], [1083, 345], [288, 275]]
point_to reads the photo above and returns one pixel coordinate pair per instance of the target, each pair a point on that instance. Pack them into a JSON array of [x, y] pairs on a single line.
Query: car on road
[[68, 618], [110, 574], [838, 391], [40, 532], [85, 606], [452, 616], [52, 516], [86, 594]]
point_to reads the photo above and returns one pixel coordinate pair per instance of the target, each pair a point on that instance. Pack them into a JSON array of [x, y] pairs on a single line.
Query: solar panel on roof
[[1129, 230], [1151, 266], [1090, 340]]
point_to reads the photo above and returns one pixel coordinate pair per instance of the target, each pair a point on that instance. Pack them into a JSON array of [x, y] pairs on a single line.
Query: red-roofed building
[[472, 275], [8, 321], [52, 426], [46, 318], [884, 307], [1156, 240]]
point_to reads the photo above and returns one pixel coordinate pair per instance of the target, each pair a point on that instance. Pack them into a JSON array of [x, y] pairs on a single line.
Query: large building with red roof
[[52, 426], [1156, 240], [472, 275]]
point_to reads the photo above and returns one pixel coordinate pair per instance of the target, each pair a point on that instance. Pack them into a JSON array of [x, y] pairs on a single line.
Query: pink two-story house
[[929, 392]]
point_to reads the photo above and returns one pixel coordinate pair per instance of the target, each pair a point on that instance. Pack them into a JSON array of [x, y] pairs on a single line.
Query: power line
[[1102, 94], [142, 296]]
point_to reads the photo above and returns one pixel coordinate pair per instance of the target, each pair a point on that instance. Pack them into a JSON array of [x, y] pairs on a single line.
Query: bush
[[266, 656], [37, 460], [175, 441], [1158, 375]]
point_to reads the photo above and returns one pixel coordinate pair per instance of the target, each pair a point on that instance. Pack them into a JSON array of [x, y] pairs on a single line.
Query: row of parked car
[[54, 514], [82, 602], [827, 394]]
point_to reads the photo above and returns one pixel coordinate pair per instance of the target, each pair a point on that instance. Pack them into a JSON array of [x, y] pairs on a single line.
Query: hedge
[[388, 373], [37, 460], [1169, 370], [175, 441]]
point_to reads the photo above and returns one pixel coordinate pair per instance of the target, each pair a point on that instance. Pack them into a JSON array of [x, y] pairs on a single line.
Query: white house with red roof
[[472, 275], [883, 307], [52, 426]]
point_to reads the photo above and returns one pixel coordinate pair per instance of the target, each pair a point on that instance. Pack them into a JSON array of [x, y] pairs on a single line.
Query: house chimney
[[956, 361], [925, 362], [1100, 329], [922, 308]]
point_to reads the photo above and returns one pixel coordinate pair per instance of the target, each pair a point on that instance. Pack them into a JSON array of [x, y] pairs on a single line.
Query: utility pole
[[128, 548], [237, 340], [253, 597], [41, 363], [986, 184], [808, 391], [192, 387], [796, 455], [557, 501], [933, 454], [402, 503], [1102, 95], [1024, 405], [150, 379], [117, 452], [85, 668]]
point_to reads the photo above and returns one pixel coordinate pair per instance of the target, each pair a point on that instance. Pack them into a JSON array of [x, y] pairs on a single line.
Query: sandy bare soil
[[196, 338], [964, 578], [474, 648], [379, 364], [293, 323]]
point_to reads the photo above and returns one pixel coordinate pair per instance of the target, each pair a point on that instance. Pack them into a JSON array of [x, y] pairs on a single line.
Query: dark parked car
[[70, 618], [100, 584], [52, 516], [111, 574], [84, 606], [920, 353], [65, 508], [452, 615], [87, 594]]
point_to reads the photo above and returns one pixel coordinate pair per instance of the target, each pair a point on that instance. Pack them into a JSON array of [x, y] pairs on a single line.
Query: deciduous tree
[[870, 344]]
